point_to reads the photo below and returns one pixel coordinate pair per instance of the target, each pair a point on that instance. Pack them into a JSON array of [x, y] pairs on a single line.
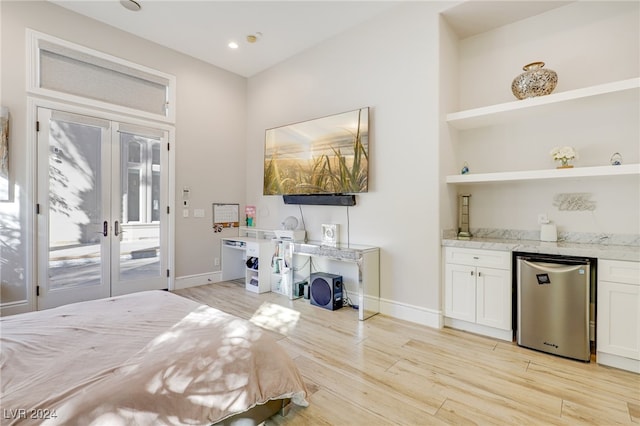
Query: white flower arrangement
[[563, 153]]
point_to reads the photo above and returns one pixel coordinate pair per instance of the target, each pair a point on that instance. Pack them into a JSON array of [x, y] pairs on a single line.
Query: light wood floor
[[384, 371]]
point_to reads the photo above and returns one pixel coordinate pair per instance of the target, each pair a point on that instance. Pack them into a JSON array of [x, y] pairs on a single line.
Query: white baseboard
[[479, 329], [406, 312], [620, 362], [198, 279]]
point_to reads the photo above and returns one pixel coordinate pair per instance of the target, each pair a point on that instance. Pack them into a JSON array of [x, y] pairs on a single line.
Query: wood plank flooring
[[385, 371]]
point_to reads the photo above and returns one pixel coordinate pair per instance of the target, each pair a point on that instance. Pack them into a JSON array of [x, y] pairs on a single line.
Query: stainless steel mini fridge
[[553, 304]]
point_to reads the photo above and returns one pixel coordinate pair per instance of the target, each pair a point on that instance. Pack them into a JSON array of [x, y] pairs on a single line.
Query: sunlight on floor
[[275, 318]]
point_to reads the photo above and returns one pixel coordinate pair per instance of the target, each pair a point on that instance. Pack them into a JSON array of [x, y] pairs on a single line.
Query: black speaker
[[321, 199], [326, 290]]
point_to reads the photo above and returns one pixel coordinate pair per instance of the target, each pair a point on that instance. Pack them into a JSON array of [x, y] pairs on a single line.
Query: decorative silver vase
[[534, 81]]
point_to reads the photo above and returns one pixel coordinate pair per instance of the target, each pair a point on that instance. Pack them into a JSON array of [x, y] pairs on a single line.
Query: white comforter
[[145, 358]]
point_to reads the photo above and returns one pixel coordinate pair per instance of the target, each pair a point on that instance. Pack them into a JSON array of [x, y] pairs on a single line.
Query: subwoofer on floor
[[326, 290]]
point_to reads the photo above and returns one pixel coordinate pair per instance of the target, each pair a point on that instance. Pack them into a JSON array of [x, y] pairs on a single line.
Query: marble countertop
[[351, 252], [600, 251]]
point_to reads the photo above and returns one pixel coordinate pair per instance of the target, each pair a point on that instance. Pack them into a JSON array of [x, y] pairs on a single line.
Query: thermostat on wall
[[330, 234]]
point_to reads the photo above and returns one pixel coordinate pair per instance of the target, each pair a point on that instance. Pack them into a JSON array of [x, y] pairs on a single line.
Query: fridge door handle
[[559, 268]]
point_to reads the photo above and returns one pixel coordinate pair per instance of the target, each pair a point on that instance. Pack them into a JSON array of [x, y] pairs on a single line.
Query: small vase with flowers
[[563, 154]]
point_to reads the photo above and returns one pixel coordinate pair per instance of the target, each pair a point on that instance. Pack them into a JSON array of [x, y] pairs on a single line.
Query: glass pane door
[[140, 228], [73, 196], [102, 196]]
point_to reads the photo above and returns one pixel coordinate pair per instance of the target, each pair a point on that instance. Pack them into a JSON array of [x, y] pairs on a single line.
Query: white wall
[[209, 146], [586, 43], [391, 65]]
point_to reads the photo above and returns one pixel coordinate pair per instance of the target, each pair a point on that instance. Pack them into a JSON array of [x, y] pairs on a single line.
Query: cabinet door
[[460, 292], [493, 298], [618, 325]]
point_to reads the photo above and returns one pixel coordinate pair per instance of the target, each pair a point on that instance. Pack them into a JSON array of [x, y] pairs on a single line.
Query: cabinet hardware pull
[[479, 274], [471, 273], [476, 257], [105, 228]]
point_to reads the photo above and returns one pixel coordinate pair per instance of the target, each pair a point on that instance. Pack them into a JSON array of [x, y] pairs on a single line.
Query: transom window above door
[[75, 73]]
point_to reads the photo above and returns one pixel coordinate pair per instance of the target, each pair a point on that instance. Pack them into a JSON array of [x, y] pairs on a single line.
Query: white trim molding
[[429, 317], [189, 281]]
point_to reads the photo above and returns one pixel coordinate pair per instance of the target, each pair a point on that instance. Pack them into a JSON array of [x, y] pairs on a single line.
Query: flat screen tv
[[328, 155]]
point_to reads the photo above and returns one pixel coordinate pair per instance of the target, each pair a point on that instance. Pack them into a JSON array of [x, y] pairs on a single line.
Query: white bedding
[[145, 358]]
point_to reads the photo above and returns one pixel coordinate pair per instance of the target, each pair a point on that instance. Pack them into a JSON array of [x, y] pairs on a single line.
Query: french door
[[102, 215]]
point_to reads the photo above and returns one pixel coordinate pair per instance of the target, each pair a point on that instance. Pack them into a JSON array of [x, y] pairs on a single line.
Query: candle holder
[[464, 232]]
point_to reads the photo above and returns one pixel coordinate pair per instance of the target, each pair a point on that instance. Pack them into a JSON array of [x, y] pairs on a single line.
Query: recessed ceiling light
[[132, 5], [233, 45], [252, 38]]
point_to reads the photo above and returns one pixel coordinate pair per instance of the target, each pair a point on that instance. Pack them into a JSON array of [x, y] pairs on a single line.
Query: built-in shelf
[[576, 172], [526, 108]]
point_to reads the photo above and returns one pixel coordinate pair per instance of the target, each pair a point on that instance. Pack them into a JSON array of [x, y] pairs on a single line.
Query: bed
[[145, 358]]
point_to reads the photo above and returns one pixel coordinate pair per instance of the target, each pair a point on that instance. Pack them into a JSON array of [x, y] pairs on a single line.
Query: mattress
[[145, 358]]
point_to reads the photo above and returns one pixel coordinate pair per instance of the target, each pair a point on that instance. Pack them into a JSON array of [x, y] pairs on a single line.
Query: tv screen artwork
[[328, 155]]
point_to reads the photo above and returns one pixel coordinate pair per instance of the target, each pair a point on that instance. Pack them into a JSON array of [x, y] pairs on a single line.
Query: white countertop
[[600, 251]]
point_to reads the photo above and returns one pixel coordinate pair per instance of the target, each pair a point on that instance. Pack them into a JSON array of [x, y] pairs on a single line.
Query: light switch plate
[[185, 212]]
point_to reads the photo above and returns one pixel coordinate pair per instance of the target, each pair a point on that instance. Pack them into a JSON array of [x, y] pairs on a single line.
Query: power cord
[[303, 224], [346, 301], [348, 229]]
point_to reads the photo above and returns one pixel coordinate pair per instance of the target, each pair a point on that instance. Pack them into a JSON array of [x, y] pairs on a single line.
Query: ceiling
[[477, 16], [203, 29]]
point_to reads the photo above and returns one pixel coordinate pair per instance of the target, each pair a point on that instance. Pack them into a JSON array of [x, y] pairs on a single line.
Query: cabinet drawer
[[475, 257], [253, 249], [619, 271]]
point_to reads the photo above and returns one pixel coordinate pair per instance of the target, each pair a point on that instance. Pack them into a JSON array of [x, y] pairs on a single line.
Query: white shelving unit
[[283, 270], [588, 97], [599, 116], [529, 108], [235, 253]]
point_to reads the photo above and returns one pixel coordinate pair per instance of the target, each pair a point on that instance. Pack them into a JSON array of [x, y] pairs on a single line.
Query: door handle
[[116, 232], [105, 228]]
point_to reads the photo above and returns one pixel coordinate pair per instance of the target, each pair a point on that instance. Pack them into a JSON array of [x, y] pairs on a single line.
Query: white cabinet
[[478, 291], [493, 298], [460, 292], [618, 315], [248, 259], [257, 272]]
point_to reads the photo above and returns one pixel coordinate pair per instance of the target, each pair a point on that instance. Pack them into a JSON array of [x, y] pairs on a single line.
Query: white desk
[[358, 265]]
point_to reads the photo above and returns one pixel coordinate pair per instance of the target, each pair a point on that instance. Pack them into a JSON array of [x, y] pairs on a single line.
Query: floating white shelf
[[576, 172], [526, 108]]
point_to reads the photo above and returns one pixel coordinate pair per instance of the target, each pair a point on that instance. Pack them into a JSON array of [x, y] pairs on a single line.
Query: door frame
[[30, 194]]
